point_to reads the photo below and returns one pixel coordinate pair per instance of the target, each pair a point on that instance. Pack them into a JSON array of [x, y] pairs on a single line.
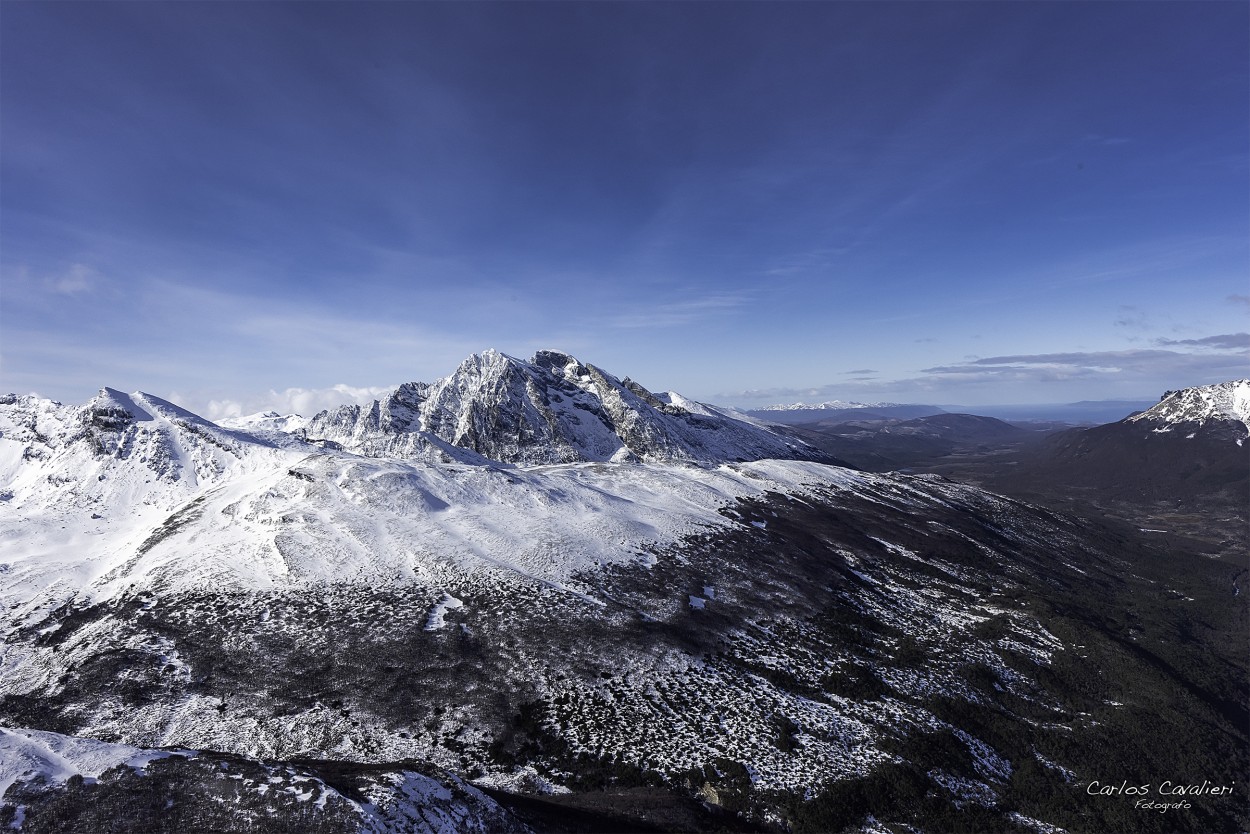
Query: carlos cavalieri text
[[1166, 788]]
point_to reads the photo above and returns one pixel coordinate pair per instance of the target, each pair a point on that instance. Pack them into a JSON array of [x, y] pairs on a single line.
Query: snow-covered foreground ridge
[[1201, 404], [130, 492], [233, 793]]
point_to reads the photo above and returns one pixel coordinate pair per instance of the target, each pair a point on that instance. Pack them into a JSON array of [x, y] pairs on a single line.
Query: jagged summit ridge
[[1201, 404], [550, 409]]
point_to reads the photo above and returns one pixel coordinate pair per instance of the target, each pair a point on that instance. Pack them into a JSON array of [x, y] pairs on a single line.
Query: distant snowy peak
[[265, 421], [1229, 401], [552, 408], [114, 423], [829, 405], [128, 448]]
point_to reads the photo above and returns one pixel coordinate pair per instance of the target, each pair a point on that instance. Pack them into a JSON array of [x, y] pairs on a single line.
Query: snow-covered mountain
[[551, 409], [1189, 450], [265, 421], [537, 577], [156, 497], [1223, 401]]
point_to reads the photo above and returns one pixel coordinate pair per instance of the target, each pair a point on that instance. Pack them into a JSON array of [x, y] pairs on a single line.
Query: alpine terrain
[[1190, 445], [533, 596]]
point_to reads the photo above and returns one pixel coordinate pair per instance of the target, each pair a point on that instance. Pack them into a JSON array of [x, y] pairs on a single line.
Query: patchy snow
[[966, 791], [402, 800], [1036, 825], [1222, 401], [28, 753], [436, 619]]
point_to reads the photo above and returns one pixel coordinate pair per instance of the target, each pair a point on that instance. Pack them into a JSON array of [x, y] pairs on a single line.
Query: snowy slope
[[131, 493], [207, 787], [1227, 401], [551, 409], [82, 488], [265, 421], [27, 753]]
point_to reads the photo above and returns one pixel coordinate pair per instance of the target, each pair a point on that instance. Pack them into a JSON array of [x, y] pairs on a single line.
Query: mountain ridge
[[550, 409], [1228, 401]]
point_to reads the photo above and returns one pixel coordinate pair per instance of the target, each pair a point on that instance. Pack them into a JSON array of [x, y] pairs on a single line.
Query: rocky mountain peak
[[1202, 403], [553, 408]]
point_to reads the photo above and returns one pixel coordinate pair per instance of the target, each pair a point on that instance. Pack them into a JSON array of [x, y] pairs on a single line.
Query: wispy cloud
[[820, 258], [1105, 141], [682, 312], [1241, 300], [1227, 341], [77, 279], [71, 280], [1131, 317], [1207, 359], [784, 393], [1053, 367]]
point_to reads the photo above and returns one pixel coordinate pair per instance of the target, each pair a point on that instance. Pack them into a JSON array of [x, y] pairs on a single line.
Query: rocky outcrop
[[551, 409]]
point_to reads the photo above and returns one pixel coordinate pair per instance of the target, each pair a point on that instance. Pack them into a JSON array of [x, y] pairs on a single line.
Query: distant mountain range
[[832, 412], [836, 405], [1086, 412], [882, 444], [1183, 448]]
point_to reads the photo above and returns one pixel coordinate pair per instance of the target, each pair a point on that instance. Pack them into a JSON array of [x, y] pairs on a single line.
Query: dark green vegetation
[[877, 444]]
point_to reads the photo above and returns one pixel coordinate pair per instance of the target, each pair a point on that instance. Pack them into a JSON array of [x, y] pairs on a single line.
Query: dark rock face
[[105, 420]]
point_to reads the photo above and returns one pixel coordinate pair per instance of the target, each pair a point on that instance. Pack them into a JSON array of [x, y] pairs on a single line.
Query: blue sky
[[253, 205]]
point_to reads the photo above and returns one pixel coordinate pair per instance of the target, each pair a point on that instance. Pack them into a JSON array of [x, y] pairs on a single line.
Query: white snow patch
[[27, 753], [436, 620]]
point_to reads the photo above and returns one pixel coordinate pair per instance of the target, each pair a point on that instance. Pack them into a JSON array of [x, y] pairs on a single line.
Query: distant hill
[[882, 445], [1085, 412], [829, 413], [1189, 446]]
